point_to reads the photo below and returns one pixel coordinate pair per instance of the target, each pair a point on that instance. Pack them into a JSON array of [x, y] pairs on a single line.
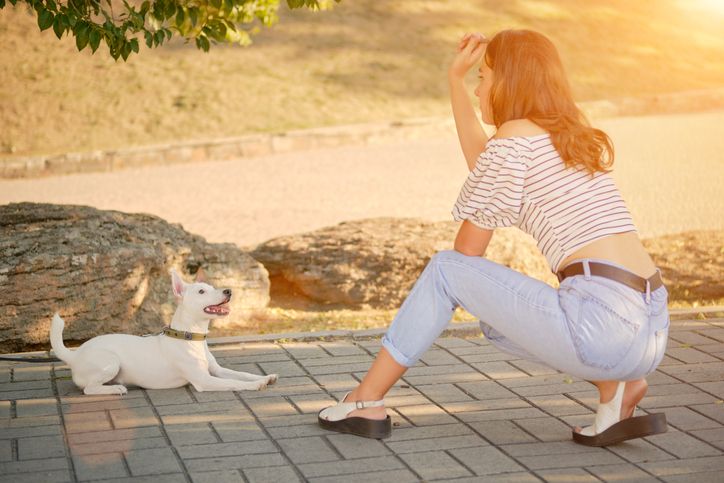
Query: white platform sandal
[[334, 418], [609, 429]]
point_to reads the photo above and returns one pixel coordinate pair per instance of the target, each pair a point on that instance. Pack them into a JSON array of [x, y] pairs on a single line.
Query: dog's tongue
[[221, 309]]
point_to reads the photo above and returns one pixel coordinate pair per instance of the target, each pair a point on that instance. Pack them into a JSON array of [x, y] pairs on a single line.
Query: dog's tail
[[56, 340]]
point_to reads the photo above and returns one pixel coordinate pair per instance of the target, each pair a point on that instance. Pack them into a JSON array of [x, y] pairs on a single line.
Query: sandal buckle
[[359, 404]]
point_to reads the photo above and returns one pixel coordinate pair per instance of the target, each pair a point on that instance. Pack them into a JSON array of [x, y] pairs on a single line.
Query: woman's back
[[520, 179]]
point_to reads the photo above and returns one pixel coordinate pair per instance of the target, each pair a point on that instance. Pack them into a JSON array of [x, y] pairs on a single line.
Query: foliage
[[205, 21]]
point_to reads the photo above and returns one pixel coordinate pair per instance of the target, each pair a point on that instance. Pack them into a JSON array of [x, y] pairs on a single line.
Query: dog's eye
[[201, 291]]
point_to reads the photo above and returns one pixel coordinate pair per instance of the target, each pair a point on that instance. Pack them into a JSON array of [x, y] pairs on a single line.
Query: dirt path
[[670, 170]]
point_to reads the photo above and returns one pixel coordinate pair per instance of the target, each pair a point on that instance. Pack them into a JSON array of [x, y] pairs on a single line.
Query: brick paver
[[465, 412]]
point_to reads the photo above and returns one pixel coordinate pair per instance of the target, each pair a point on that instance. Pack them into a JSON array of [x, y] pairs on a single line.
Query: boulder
[[375, 262], [692, 265], [106, 272]]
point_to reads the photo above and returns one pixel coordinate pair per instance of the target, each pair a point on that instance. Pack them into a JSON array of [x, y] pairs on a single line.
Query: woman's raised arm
[[470, 132]]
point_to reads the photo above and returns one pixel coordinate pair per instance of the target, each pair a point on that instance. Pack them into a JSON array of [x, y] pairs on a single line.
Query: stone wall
[[358, 134]]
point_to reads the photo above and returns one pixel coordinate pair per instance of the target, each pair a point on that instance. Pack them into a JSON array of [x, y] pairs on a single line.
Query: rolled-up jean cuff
[[396, 354]]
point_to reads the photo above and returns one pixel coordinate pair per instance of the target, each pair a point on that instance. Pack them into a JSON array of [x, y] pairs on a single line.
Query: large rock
[[106, 271], [692, 265], [375, 262]]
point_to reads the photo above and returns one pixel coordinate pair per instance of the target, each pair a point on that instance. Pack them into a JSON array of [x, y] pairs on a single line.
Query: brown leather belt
[[614, 273]]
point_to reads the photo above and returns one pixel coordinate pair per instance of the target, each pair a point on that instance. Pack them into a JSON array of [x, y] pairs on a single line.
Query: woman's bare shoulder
[[519, 128]]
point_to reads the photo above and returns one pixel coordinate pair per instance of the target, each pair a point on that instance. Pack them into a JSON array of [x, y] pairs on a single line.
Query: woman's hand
[[470, 50]]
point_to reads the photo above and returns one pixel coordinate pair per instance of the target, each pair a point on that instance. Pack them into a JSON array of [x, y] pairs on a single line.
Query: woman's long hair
[[529, 82]]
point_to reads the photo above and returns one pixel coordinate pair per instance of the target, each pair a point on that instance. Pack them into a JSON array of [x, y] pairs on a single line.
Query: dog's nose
[[227, 292]]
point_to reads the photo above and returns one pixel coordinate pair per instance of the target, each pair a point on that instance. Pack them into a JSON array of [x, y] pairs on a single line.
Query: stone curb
[[456, 329], [467, 328], [306, 139], [222, 149]]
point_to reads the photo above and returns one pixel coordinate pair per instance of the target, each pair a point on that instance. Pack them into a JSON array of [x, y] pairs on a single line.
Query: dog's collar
[[179, 334]]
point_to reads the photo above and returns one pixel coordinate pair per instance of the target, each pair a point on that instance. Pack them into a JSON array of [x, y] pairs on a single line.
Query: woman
[[546, 172]]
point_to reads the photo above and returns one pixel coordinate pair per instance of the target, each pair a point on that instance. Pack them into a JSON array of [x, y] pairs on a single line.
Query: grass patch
[[363, 61]]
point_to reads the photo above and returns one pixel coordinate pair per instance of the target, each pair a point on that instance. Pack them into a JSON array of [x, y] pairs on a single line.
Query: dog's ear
[[177, 283], [200, 275]]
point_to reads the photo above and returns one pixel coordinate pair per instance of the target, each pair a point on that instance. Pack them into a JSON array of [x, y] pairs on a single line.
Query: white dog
[[171, 359]]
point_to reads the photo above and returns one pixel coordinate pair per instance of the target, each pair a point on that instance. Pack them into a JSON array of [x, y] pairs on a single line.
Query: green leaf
[[216, 3], [2, 3], [158, 37], [81, 36], [202, 43], [157, 11], [170, 9], [134, 45], [230, 25], [59, 25], [137, 20], [149, 38], [144, 8], [95, 39], [194, 14], [45, 19], [125, 50], [219, 31], [179, 17]]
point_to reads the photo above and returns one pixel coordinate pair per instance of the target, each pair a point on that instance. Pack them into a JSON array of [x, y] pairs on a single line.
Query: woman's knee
[[445, 256], [443, 264]]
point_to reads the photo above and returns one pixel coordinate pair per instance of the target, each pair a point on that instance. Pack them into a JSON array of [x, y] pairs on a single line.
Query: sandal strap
[[342, 409], [367, 404]]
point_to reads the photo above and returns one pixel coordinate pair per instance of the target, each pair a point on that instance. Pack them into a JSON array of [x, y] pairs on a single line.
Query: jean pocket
[[601, 336], [659, 341]]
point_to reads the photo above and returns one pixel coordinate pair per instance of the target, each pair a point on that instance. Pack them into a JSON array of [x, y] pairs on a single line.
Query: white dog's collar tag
[[180, 334]]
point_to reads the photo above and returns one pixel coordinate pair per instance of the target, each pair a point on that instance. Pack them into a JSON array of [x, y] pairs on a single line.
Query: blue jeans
[[591, 327]]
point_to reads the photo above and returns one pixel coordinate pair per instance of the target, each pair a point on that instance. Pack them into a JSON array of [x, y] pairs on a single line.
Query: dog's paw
[[272, 378], [261, 385], [118, 389]]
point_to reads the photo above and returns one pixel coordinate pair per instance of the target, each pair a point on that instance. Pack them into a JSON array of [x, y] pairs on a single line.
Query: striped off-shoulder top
[[523, 182]]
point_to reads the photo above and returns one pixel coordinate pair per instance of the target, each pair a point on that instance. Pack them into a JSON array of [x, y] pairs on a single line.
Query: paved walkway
[[465, 413], [670, 170]]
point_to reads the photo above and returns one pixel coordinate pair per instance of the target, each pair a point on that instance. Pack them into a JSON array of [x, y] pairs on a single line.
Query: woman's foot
[[369, 420], [633, 393], [347, 416], [615, 421]]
